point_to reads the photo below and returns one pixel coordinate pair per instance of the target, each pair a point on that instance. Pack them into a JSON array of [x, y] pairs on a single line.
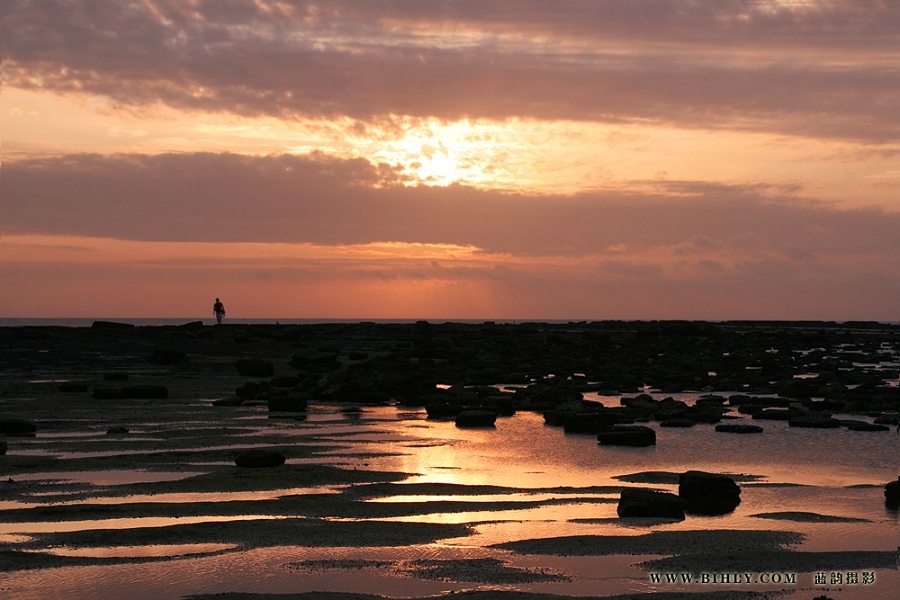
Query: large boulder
[[476, 418], [627, 435], [254, 367], [708, 493], [259, 459], [639, 502]]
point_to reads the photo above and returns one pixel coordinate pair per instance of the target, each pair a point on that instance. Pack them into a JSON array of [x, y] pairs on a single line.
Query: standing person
[[219, 311]]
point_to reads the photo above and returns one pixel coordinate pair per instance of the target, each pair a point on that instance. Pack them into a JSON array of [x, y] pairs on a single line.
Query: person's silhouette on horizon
[[219, 311]]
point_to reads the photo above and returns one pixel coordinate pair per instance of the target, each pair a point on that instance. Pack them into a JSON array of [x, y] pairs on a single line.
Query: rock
[[892, 493], [72, 387], [107, 393], [678, 422], [867, 427], [115, 377], [708, 493], [589, 422], [259, 459], [17, 427], [442, 410], [286, 404], [476, 418], [160, 356], [118, 430], [248, 391], [639, 502], [738, 428], [3, 447], [254, 367], [234, 401], [775, 414], [146, 391], [814, 421], [627, 435], [111, 325]]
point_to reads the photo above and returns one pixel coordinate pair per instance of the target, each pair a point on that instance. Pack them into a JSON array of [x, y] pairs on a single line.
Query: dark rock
[[146, 391], [442, 410], [867, 427], [111, 325], [708, 493], [107, 393], [116, 430], [678, 422], [72, 387], [476, 418], [287, 404], [162, 357], [814, 421], [254, 367], [248, 391], [892, 493], [639, 502], [776, 414], [738, 428], [259, 459], [115, 377], [286, 382], [627, 435], [228, 401], [3, 447], [589, 422], [17, 427]]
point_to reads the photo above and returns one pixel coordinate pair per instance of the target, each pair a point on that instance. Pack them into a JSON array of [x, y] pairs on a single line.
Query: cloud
[[320, 199], [817, 69]]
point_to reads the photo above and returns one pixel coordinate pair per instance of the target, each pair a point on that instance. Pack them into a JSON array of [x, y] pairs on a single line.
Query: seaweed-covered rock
[[627, 435], [708, 493], [476, 418], [259, 459], [640, 502]]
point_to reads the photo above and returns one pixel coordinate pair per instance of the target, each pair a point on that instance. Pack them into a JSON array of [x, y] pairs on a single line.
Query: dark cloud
[[813, 69], [320, 199]]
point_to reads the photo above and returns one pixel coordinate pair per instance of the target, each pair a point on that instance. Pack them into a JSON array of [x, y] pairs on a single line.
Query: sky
[[450, 159]]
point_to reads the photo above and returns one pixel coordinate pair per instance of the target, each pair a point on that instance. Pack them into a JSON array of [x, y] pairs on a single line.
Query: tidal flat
[[121, 444]]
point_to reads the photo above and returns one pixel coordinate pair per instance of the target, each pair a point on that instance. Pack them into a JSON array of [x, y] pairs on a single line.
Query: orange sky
[[467, 159]]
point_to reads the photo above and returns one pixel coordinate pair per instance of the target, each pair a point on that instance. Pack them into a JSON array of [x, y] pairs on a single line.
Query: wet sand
[[51, 378]]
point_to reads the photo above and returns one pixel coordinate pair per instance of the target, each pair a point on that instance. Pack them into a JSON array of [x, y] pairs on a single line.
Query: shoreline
[[327, 494]]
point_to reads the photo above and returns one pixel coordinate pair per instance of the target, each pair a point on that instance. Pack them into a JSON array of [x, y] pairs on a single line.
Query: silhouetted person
[[219, 311]]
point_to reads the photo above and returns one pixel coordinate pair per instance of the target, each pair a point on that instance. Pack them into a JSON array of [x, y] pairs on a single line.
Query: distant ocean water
[[150, 322]]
